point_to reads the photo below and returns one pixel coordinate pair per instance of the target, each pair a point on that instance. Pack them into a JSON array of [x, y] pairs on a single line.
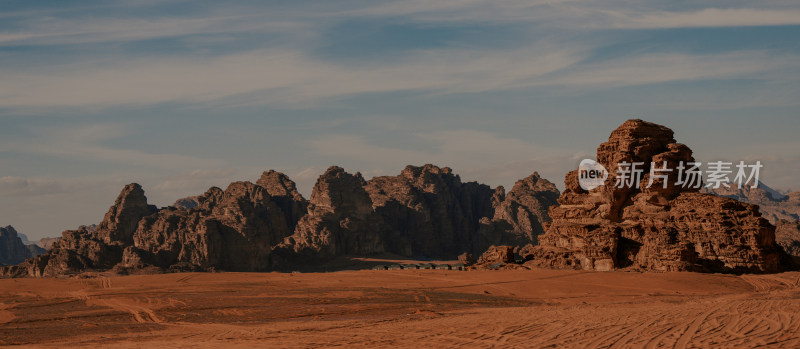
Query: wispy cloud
[[668, 67], [273, 76], [709, 17], [290, 78], [87, 143]]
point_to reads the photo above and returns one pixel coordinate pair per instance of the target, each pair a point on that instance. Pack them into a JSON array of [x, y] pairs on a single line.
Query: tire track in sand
[[139, 312]]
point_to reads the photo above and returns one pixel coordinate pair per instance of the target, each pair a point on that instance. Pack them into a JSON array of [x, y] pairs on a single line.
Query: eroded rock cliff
[[12, 249], [655, 228], [425, 211]]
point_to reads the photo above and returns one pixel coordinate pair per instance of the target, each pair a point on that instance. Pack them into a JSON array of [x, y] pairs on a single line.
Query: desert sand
[[408, 308]]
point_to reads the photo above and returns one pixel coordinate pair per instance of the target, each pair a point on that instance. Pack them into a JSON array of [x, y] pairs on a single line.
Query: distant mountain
[[12, 249], [774, 205], [187, 203], [24, 238], [46, 243], [35, 250]]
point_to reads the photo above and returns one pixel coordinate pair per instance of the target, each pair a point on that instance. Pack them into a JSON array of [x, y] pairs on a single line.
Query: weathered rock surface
[[787, 234], [497, 255], [235, 229], [123, 217], [781, 210], [340, 219], [427, 211], [12, 249], [466, 259], [518, 217], [423, 212], [657, 228], [88, 248]]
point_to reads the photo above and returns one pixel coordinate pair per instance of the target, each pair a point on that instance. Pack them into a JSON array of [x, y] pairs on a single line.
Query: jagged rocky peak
[[672, 228], [521, 212], [425, 211], [279, 184], [534, 192], [339, 191], [428, 176], [12, 250], [284, 192], [634, 140], [123, 217], [340, 220]]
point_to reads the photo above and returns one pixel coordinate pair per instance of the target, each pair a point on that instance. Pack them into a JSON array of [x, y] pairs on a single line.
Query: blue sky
[[180, 96]]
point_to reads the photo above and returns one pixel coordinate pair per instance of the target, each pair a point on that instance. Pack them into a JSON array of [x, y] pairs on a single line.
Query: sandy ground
[[407, 308]]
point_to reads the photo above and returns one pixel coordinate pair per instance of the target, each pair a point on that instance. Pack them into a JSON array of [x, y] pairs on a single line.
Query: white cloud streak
[[709, 17], [87, 143]]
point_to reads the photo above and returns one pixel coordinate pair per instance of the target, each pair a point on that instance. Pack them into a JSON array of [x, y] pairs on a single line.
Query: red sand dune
[[511, 308]]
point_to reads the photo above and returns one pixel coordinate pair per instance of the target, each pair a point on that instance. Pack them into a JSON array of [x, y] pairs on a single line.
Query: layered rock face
[[787, 234], [12, 249], [781, 210], [86, 249], [518, 217], [426, 211], [423, 212], [339, 220], [497, 255], [233, 229], [657, 228]]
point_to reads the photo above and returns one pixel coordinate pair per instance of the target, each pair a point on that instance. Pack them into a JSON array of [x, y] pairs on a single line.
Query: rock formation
[[466, 259], [787, 234], [423, 212], [518, 217], [663, 227], [234, 229], [99, 249], [12, 249], [339, 220], [497, 255], [427, 211], [781, 210]]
